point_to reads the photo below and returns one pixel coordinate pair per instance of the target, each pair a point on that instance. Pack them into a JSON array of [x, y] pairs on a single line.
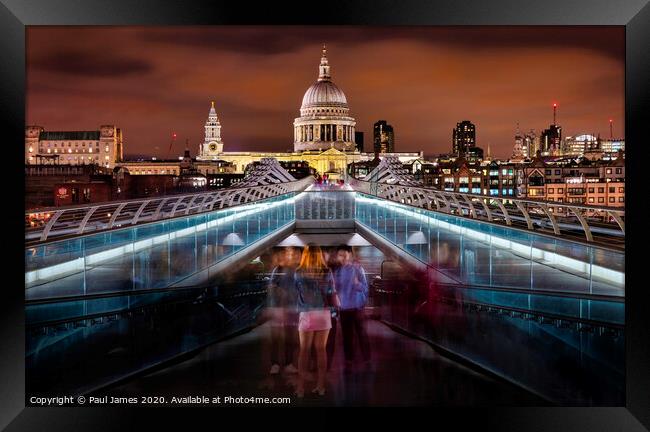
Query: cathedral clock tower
[[212, 145]]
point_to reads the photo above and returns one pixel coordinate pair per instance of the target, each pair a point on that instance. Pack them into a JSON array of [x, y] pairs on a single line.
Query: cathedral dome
[[324, 93], [325, 120]]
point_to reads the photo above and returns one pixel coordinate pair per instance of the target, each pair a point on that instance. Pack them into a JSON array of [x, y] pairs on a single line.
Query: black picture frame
[[15, 15]]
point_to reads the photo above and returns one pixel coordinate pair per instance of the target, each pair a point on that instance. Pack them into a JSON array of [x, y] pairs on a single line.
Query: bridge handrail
[[80, 219], [491, 206]]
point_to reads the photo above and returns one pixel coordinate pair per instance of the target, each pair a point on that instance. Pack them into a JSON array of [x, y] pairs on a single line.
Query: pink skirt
[[315, 320]]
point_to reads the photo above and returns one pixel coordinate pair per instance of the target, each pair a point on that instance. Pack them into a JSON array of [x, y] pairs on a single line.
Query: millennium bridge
[[473, 299]]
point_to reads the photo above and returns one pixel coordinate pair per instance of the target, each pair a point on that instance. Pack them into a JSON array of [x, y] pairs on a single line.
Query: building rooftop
[[69, 136]]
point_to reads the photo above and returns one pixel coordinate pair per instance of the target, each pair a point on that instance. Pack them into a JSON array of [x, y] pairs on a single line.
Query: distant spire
[[324, 68], [212, 102]]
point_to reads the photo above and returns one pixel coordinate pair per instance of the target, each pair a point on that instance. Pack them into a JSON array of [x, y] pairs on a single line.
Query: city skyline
[[152, 82]]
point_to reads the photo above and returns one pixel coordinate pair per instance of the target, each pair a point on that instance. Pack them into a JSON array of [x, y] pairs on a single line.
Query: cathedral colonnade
[[323, 132]]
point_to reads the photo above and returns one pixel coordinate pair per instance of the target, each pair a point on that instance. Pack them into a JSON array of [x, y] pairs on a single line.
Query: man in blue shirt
[[352, 287]]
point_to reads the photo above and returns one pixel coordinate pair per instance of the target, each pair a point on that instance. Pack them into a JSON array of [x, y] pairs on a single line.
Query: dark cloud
[[286, 39], [92, 63]]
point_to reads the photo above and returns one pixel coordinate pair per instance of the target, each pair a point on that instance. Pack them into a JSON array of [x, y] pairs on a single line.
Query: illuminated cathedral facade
[[323, 134]]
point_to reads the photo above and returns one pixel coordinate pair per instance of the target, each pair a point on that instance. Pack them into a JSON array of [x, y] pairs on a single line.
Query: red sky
[[151, 81]]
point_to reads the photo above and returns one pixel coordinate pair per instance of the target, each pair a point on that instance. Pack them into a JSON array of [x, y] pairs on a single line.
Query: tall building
[[97, 147], [463, 138], [325, 120], [358, 141], [383, 137], [531, 144], [212, 143], [550, 141]]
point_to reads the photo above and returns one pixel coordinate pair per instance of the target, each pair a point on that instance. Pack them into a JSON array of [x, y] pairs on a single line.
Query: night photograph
[[253, 215]]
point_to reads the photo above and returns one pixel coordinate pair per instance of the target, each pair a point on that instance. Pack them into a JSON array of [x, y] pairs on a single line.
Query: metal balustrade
[[389, 180], [555, 217], [474, 253], [48, 223], [154, 255]]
